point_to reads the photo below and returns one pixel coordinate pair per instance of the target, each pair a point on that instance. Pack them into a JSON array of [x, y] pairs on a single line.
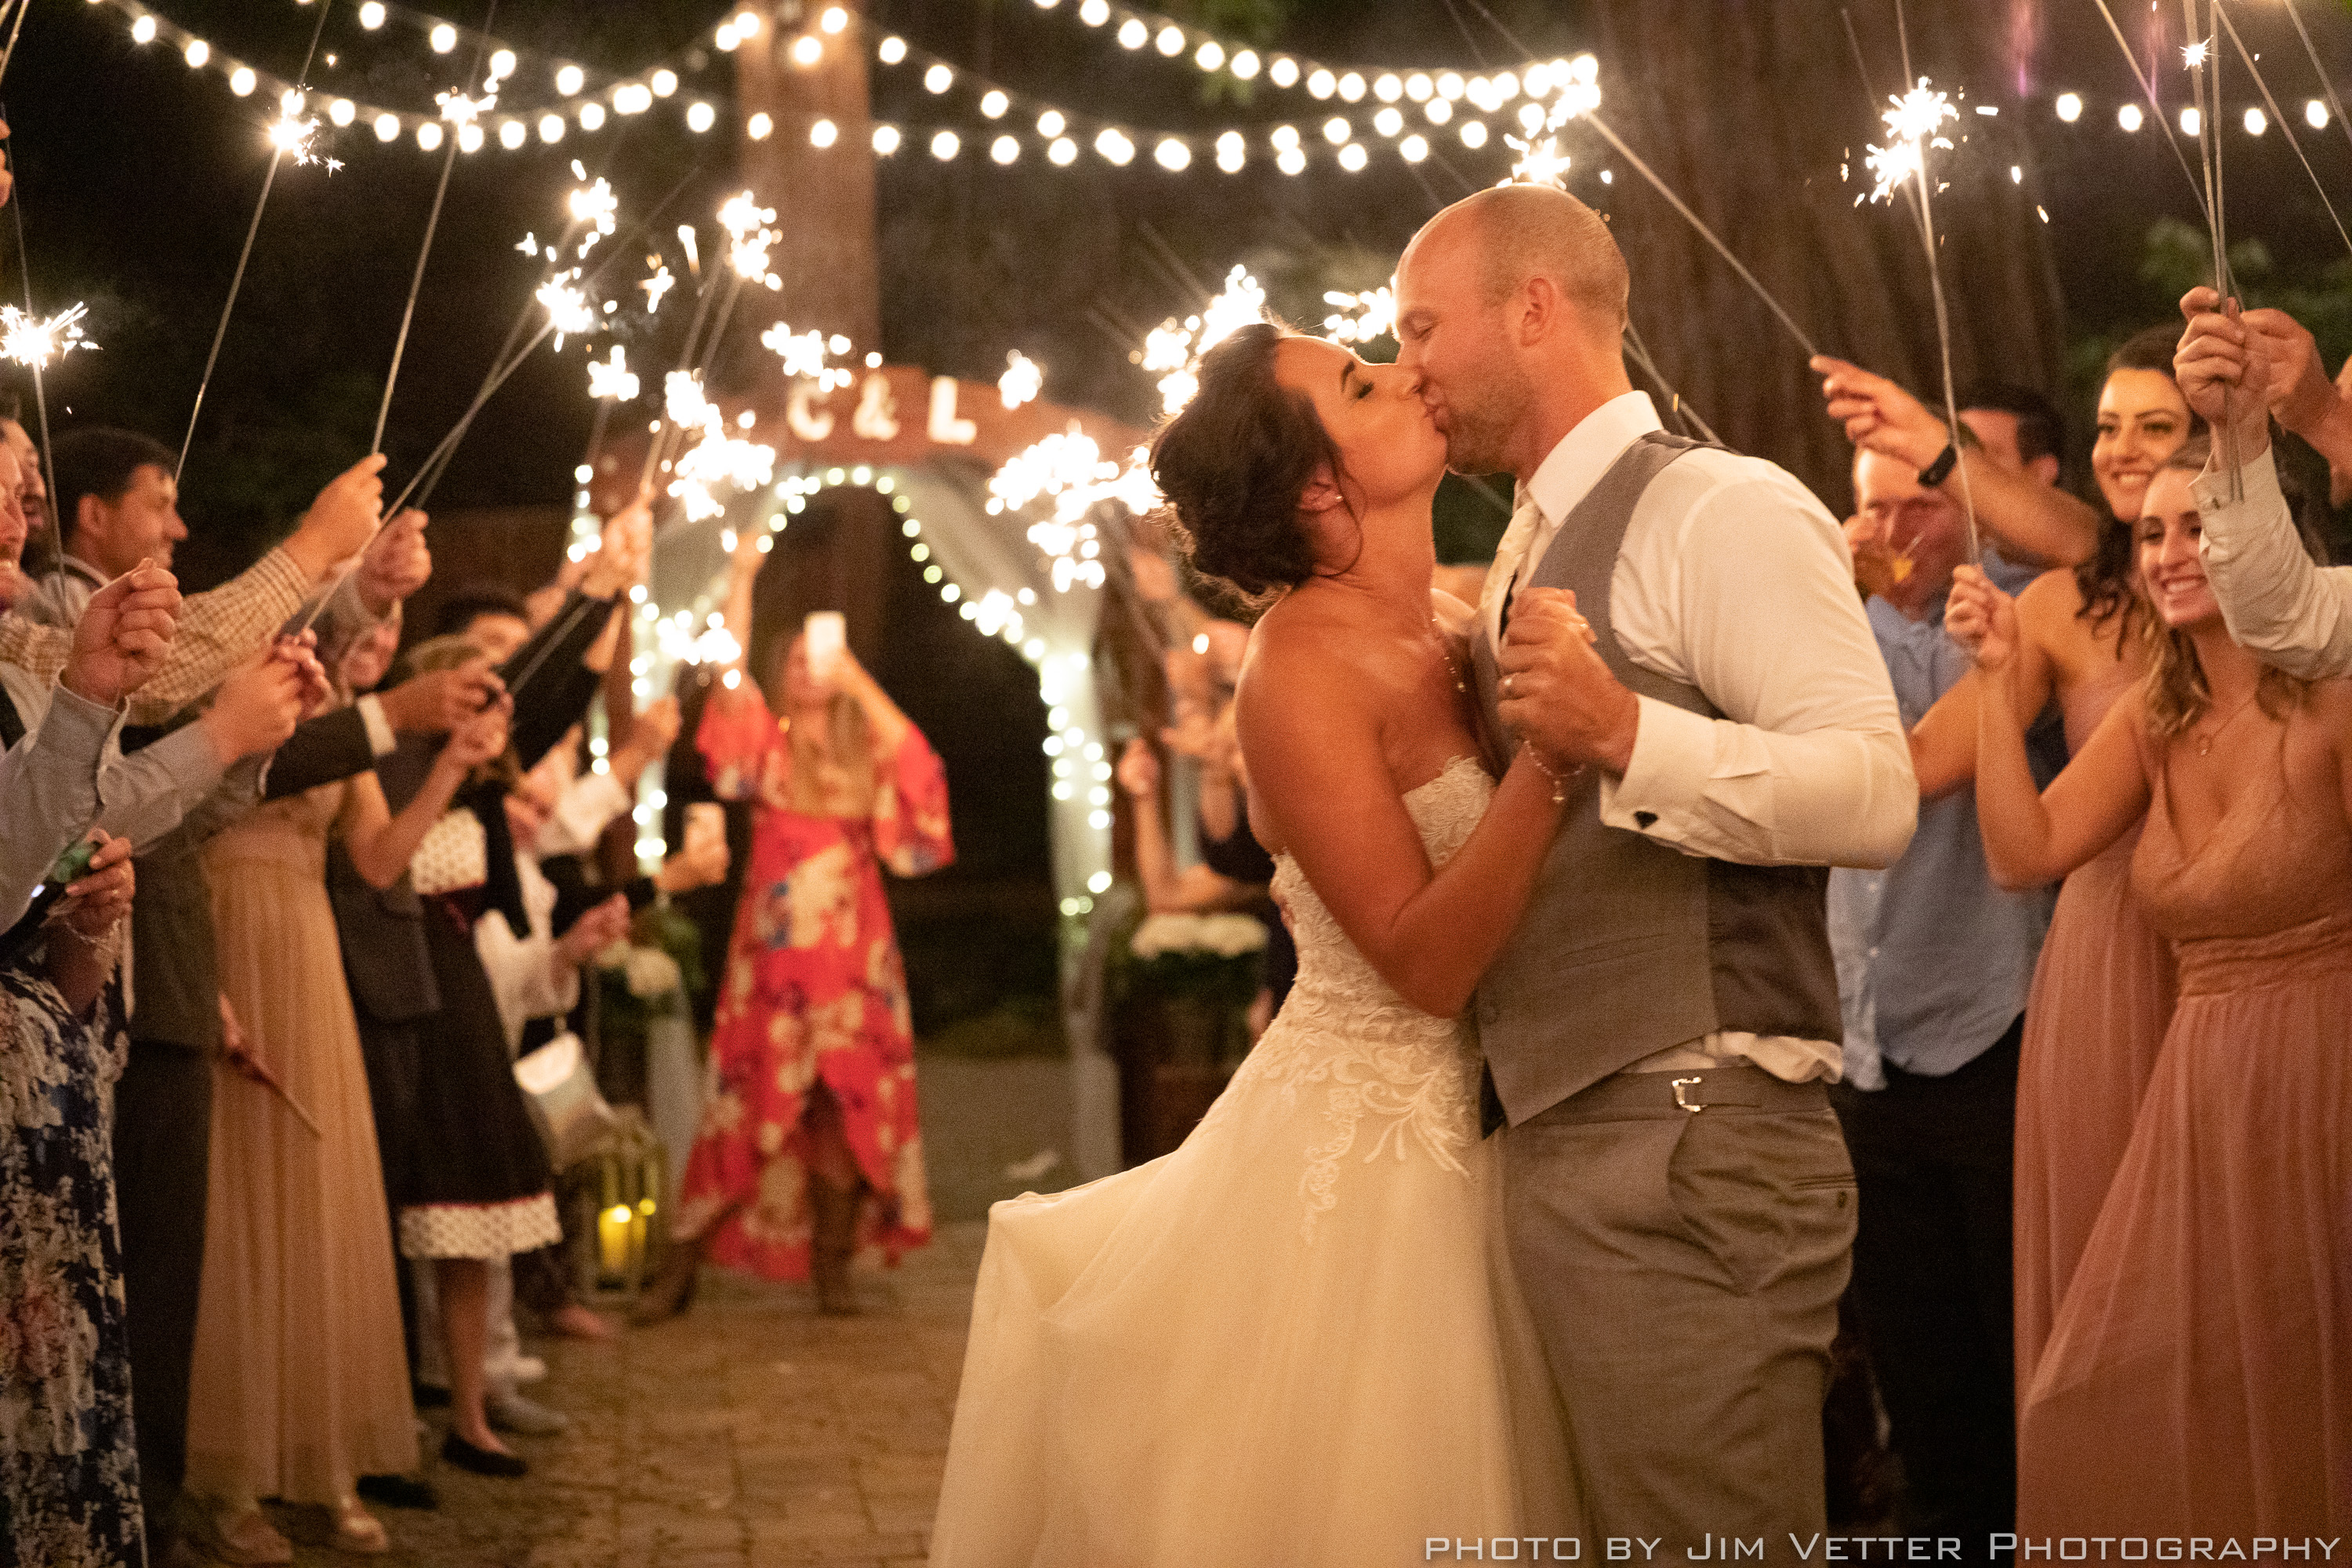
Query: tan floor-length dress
[[2102, 998], [300, 1383], [2197, 1381]]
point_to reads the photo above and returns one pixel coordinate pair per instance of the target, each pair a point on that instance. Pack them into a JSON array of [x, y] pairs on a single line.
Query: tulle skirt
[[2198, 1377], [301, 1380], [2102, 995], [1240, 1353]]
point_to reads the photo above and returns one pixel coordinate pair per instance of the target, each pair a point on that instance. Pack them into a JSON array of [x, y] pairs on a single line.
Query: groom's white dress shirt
[[1734, 579]]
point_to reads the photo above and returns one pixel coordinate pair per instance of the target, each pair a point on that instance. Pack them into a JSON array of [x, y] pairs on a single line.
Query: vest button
[[1645, 820]]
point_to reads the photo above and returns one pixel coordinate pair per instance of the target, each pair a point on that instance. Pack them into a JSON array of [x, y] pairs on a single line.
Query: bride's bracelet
[[1558, 781]]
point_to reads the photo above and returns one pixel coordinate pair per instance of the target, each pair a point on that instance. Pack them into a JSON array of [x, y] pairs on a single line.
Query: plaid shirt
[[217, 630]]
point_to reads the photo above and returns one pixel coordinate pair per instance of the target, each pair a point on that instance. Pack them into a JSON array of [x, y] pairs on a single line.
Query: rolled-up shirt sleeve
[[1749, 596], [49, 794], [2279, 604]]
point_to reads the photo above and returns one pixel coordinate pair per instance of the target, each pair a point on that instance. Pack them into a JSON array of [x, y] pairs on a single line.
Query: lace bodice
[[1399, 1081]]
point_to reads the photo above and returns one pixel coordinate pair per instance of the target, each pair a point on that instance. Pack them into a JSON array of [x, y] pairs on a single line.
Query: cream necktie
[[1509, 556]]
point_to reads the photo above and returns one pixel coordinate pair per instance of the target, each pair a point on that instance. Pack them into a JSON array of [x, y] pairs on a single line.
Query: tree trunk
[[1752, 118]]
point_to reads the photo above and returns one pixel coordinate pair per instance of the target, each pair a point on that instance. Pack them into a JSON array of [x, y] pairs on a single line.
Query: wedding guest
[[466, 1169], [2102, 991], [810, 1148], [163, 1120], [494, 619], [2195, 1378], [40, 537], [68, 1468], [1234, 872], [1932, 963], [2290, 612], [300, 1382], [2011, 488]]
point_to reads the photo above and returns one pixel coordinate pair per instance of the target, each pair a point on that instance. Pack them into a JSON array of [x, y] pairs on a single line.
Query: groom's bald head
[[1513, 234], [1510, 304]]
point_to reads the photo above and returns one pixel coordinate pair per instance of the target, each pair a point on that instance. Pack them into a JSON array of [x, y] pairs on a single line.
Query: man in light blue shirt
[[1934, 964]]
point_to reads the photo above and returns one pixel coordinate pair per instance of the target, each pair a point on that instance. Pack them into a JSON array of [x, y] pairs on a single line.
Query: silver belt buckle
[[1682, 1083]]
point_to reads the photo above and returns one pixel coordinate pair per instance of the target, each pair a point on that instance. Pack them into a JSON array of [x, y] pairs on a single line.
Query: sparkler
[[1175, 349], [1914, 125], [2280, 119], [2195, 56], [1360, 318], [657, 284], [40, 393], [1022, 379], [803, 355], [9, 53], [2327, 82], [29, 341], [289, 110], [612, 378]]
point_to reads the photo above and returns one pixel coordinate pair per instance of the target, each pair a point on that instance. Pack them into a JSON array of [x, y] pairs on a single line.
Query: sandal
[[360, 1531], [246, 1538]]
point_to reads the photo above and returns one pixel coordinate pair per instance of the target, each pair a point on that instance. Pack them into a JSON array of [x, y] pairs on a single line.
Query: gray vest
[[1629, 946]]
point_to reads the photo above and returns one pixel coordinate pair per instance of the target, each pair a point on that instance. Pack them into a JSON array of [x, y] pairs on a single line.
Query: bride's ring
[[1508, 689]]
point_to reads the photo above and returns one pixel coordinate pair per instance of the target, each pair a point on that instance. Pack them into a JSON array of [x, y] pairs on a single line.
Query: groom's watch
[[1937, 472]]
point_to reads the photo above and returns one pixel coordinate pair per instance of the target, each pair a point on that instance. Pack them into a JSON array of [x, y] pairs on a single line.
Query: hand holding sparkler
[[396, 563], [438, 701], [8, 174], [1981, 619], [122, 635], [97, 901], [479, 739], [2221, 354], [619, 562], [262, 701], [1878, 414], [342, 521]]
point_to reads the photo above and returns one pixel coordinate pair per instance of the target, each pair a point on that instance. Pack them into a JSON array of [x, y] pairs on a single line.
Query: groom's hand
[[1556, 691]]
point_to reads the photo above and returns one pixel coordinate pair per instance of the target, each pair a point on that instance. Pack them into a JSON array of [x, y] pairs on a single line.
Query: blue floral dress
[[68, 1468]]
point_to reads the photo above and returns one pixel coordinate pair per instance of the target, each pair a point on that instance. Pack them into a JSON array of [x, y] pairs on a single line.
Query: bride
[[1295, 1341]]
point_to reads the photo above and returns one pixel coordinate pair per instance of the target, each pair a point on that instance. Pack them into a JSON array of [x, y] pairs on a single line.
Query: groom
[[1661, 1030]]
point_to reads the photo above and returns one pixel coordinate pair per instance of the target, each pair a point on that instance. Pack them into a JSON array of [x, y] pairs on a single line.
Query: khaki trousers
[[1683, 1268]]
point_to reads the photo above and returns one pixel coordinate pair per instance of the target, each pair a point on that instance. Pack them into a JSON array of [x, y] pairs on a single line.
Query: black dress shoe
[[482, 1461], [399, 1491]]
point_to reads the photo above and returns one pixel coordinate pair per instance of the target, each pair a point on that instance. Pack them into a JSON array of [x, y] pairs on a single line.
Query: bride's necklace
[[2205, 741], [1453, 665]]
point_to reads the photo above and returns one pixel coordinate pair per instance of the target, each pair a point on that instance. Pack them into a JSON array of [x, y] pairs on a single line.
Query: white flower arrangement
[[1220, 935]]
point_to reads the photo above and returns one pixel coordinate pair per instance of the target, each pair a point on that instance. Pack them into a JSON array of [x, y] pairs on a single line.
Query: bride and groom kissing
[[1527, 1216]]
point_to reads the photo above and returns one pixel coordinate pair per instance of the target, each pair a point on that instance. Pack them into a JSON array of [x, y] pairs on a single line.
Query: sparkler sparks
[[718, 458], [593, 208], [2194, 55], [657, 284], [1022, 379], [461, 110], [1912, 123], [31, 341], [748, 238], [1175, 349], [612, 378], [803, 355], [568, 309], [1360, 318], [296, 137]]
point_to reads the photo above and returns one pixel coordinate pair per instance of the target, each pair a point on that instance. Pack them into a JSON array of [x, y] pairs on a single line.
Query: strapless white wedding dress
[[1293, 1341]]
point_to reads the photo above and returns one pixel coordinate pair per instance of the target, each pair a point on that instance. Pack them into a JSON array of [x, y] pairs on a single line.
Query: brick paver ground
[[748, 1434]]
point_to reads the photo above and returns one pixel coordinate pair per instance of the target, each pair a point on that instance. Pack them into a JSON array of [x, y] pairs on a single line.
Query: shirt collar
[[1585, 453], [74, 565]]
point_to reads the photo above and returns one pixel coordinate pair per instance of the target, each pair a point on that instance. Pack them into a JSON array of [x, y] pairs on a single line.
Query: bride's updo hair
[[1233, 464]]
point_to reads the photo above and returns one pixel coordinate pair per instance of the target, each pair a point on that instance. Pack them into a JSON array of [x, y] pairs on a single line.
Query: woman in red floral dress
[[809, 1150]]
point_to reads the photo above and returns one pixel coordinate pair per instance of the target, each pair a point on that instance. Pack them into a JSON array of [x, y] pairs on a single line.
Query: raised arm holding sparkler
[[2243, 369], [2034, 523]]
